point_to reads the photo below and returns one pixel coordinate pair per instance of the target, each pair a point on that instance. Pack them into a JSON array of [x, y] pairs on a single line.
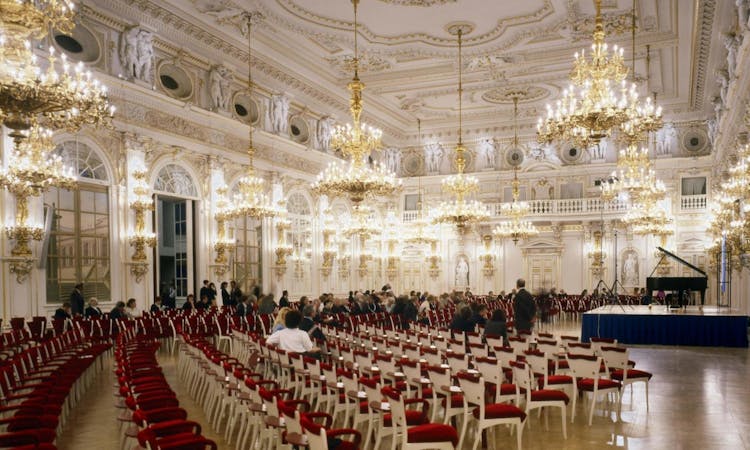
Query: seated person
[[291, 338], [497, 325], [156, 307], [309, 324], [118, 312], [63, 312], [93, 309], [462, 321]]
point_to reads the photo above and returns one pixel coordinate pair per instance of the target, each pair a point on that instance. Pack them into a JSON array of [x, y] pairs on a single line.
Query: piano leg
[[703, 297]]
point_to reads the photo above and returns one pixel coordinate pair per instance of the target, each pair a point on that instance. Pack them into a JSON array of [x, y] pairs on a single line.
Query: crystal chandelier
[[356, 180], [515, 227], [598, 100], [634, 178], [420, 231], [360, 224], [729, 223], [460, 212], [251, 200], [28, 91]]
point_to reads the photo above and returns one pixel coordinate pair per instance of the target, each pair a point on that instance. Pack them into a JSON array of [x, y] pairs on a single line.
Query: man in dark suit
[[308, 323], [524, 308], [62, 312], [93, 309], [76, 300], [284, 300], [206, 291], [226, 297]]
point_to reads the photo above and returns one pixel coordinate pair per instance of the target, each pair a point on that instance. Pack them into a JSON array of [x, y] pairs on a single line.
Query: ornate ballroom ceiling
[[410, 66]]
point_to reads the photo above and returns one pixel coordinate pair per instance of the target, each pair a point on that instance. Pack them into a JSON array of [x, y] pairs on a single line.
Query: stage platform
[[715, 327]]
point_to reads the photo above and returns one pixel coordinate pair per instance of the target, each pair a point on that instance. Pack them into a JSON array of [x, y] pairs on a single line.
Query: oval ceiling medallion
[[418, 2], [505, 95]]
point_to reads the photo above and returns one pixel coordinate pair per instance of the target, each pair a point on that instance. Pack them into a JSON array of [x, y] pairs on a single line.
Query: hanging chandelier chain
[[632, 38], [356, 41]]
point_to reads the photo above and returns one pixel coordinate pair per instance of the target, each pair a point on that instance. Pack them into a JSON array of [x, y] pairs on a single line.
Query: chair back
[[615, 358], [473, 390], [490, 369], [316, 435], [518, 344], [581, 348], [458, 361], [584, 366]]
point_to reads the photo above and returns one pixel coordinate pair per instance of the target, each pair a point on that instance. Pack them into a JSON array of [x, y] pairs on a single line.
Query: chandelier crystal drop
[[599, 99], [356, 180], [461, 212], [251, 199]]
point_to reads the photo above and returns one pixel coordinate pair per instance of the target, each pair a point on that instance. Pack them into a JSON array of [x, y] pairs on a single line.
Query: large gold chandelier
[[729, 223], [598, 100], [360, 224], [356, 180], [461, 212], [251, 200], [516, 227]]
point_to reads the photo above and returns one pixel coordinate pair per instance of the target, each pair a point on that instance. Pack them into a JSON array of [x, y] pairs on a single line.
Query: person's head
[[204, 298], [79, 287], [93, 301], [131, 303], [66, 307], [233, 283], [520, 283], [303, 301], [157, 300], [190, 298], [292, 319], [465, 313], [281, 316], [498, 315], [308, 311], [284, 294], [212, 286], [243, 299], [120, 305], [205, 283], [482, 310], [223, 285]]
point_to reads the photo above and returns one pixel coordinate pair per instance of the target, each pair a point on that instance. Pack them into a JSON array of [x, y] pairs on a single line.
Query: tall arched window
[[78, 245]]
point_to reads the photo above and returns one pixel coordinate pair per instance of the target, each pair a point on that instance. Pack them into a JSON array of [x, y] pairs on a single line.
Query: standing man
[[226, 297], [284, 300], [235, 291], [524, 308], [206, 292], [76, 300]]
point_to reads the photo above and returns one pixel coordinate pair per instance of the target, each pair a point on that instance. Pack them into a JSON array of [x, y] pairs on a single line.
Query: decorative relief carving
[[503, 95], [417, 2], [368, 62]]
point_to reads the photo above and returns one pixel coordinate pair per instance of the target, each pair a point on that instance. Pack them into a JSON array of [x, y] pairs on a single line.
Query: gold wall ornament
[[32, 170], [138, 269], [140, 202], [486, 257], [433, 259], [356, 180], [223, 244], [21, 268]]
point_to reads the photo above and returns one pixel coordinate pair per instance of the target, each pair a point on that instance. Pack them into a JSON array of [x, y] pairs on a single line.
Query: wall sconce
[[140, 202], [597, 255], [434, 260], [487, 258], [282, 249], [223, 244]]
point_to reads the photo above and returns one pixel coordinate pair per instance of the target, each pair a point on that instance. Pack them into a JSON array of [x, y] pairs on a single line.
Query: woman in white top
[[291, 338]]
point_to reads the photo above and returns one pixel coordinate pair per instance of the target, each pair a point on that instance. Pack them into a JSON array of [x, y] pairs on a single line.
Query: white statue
[[665, 139], [323, 132], [462, 272], [219, 79], [433, 157], [487, 150], [279, 113], [393, 159], [732, 43], [722, 77], [136, 53], [712, 126], [550, 154], [630, 270], [599, 151], [743, 14]]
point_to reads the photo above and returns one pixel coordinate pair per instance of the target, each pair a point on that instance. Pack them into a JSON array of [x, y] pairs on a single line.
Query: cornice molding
[[704, 19]]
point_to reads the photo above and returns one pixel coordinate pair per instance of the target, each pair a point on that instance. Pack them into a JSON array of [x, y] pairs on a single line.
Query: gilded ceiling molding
[[704, 17]]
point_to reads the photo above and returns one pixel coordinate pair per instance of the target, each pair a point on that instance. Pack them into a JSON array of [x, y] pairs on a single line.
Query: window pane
[[65, 200], [87, 201], [101, 203]]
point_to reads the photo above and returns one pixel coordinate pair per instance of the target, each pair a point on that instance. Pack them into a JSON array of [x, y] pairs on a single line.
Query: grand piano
[[678, 284]]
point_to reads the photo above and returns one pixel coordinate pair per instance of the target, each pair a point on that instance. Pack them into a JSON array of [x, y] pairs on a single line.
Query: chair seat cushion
[[457, 400], [587, 384], [432, 432], [632, 374], [558, 379], [413, 417], [500, 411], [549, 395]]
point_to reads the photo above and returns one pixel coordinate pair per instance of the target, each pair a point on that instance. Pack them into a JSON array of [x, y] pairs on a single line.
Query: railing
[[693, 202], [580, 206]]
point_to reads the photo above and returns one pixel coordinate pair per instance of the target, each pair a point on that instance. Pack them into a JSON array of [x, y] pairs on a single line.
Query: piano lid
[[672, 255]]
